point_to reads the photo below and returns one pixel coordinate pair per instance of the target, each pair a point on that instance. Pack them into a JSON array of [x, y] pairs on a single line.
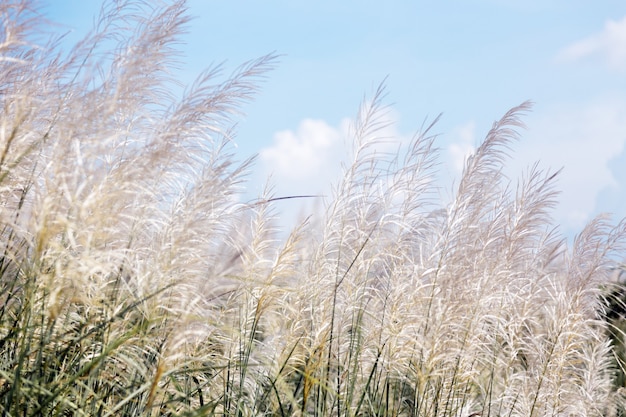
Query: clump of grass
[[134, 282]]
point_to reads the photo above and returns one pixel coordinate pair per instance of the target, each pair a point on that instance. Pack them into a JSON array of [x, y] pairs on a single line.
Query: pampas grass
[[135, 282]]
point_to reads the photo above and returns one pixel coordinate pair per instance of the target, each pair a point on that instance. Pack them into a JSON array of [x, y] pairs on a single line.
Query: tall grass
[[134, 282]]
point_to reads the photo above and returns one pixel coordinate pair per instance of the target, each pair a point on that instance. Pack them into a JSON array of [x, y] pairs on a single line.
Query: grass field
[[134, 281]]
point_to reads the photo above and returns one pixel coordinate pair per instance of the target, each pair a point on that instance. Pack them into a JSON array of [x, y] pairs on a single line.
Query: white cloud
[[309, 160], [305, 153], [463, 147], [610, 44], [303, 162]]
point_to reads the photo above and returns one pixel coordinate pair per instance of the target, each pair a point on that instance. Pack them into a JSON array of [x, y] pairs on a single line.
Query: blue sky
[[470, 60]]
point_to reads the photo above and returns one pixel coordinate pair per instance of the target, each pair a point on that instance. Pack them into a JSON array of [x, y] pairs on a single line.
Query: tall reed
[[134, 281]]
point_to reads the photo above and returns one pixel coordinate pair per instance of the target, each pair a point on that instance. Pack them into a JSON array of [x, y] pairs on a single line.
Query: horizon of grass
[[133, 281]]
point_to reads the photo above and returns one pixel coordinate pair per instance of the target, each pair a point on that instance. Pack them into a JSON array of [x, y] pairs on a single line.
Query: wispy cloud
[[609, 44]]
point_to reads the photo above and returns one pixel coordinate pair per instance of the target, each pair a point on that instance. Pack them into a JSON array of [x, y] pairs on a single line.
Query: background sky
[[470, 60]]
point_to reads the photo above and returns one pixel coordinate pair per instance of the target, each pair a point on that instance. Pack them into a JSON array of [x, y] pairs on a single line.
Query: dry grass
[[134, 282]]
